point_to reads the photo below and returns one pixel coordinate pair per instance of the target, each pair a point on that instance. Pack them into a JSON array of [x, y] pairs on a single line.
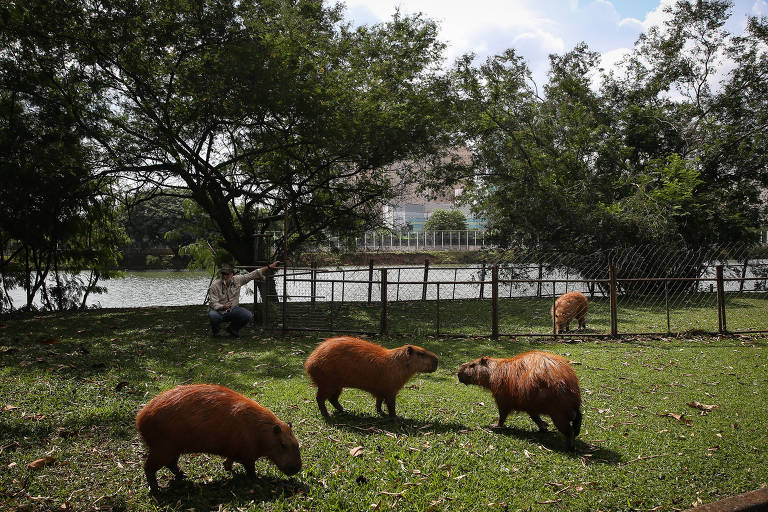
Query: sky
[[537, 28]]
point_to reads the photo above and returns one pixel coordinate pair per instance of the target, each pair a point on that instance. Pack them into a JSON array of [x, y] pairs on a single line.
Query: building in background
[[411, 210]]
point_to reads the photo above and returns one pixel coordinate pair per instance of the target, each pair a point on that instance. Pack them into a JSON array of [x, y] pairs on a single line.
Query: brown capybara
[[347, 362], [203, 418], [534, 382], [567, 307]]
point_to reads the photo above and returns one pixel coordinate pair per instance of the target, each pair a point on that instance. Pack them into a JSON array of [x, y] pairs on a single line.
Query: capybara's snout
[[464, 377], [293, 469]]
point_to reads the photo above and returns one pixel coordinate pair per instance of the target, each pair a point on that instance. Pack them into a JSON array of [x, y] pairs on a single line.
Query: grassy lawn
[[531, 315], [70, 387]]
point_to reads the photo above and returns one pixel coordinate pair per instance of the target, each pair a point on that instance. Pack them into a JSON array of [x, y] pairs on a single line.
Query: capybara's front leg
[[390, 400], [250, 467], [228, 464], [379, 401], [539, 422], [503, 413]]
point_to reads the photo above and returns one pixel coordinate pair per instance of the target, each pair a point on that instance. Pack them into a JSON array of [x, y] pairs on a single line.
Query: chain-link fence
[[630, 291]]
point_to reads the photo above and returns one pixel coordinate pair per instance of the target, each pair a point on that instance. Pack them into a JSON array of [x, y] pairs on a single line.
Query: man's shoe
[[232, 334]]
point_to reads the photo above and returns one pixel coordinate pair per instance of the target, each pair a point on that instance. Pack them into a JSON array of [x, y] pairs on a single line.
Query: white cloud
[[536, 28]]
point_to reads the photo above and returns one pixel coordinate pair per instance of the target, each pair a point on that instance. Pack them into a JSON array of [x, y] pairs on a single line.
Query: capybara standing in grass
[[211, 419], [347, 362], [534, 382], [567, 307]]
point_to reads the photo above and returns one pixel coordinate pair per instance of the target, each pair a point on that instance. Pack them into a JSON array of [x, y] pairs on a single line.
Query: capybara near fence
[[203, 418], [567, 307], [533, 382], [347, 362]]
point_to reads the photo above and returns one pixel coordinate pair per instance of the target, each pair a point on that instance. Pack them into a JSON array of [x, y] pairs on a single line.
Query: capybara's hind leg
[[543, 426], [156, 459], [174, 467], [563, 424], [250, 468], [150, 470], [228, 464], [334, 399], [321, 403], [379, 401]]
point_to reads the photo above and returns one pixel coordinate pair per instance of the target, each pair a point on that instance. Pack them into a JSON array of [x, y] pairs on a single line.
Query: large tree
[[258, 110], [660, 154]]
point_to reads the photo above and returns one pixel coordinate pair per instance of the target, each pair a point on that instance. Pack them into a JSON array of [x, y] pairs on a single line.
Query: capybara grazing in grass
[[347, 362], [567, 307], [203, 418], [534, 382]]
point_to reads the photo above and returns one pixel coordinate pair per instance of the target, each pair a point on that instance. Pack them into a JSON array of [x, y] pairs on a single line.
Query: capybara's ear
[[290, 425], [409, 350], [484, 361], [276, 429]]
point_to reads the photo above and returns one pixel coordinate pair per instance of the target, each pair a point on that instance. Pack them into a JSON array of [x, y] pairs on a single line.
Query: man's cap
[[227, 269]]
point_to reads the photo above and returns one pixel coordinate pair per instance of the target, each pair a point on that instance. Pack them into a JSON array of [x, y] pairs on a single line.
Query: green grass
[[75, 399], [531, 315]]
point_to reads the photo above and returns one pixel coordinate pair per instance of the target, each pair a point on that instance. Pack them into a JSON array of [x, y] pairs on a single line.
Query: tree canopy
[[659, 153], [257, 110], [442, 220]]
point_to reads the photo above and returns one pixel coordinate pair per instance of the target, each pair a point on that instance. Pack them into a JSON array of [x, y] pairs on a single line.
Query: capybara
[[567, 307], [347, 362], [203, 418], [534, 382]]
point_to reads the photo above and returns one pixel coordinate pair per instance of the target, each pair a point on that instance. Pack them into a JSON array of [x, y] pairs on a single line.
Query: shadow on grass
[[370, 424], [237, 490], [554, 440]]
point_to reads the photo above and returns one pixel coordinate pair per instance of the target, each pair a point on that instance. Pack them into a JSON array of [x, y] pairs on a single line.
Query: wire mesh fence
[[630, 291]]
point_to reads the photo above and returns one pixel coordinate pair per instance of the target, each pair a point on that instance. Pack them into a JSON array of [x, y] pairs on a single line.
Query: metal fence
[[697, 294]]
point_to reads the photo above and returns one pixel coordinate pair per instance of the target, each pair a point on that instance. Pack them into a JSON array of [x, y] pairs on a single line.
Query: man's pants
[[237, 318]]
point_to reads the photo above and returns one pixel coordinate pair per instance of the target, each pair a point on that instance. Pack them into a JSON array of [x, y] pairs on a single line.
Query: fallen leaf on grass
[[40, 463], [9, 407], [678, 417], [120, 385], [49, 341], [704, 408], [356, 451]]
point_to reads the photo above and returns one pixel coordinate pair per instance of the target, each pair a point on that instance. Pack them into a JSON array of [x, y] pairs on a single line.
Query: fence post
[[554, 308], [370, 279], [437, 311], [482, 281], [743, 275], [613, 301], [333, 283], [495, 301], [313, 283], [722, 327], [285, 298], [383, 328], [538, 288], [426, 277], [666, 301]]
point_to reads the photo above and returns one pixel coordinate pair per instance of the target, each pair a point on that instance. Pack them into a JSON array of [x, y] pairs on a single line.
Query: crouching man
[[224, 298]]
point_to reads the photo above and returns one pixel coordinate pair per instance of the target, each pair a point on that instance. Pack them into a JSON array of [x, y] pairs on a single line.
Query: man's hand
[[228, 305], [273, 265]]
